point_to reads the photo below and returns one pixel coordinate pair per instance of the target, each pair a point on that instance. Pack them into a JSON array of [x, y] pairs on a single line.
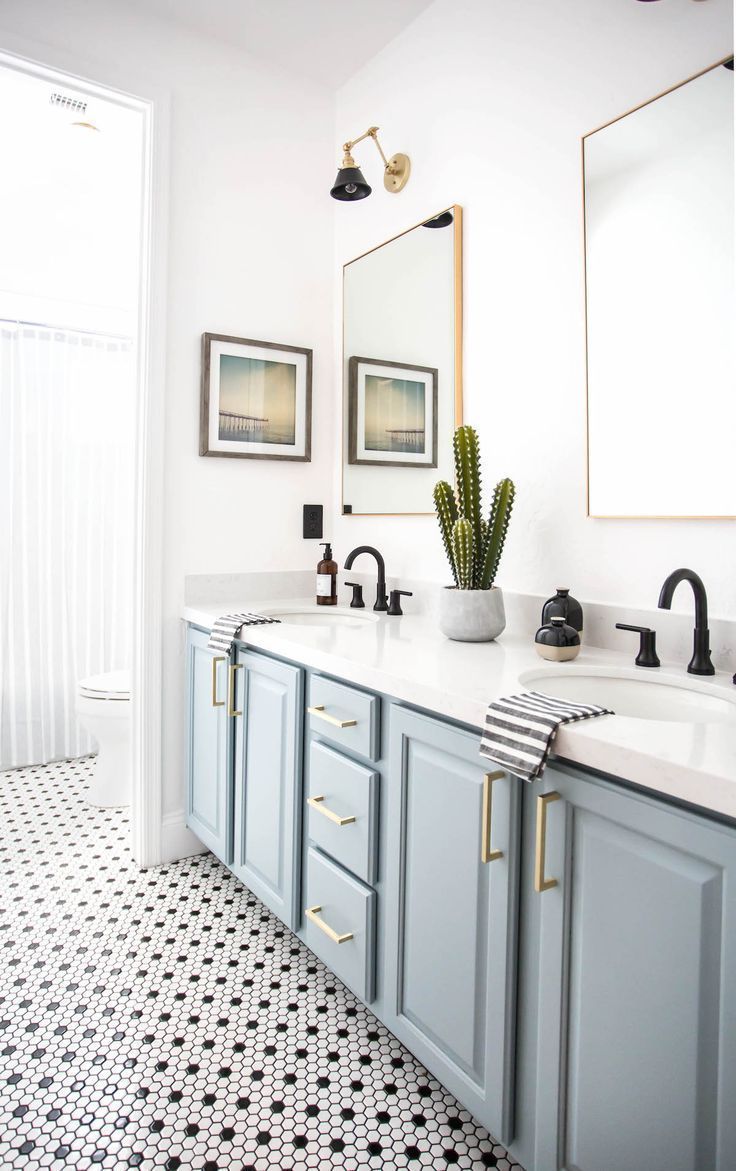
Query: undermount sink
[[637, 696], [327, 616]]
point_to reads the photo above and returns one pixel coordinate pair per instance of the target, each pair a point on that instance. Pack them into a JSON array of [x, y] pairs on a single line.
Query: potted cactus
[[472, 609]]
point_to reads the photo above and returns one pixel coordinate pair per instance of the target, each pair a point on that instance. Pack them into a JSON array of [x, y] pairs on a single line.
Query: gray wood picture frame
[[204, 412], [354, 364]]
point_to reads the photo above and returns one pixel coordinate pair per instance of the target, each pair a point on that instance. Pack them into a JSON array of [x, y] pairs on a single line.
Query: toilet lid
[[111, 685]]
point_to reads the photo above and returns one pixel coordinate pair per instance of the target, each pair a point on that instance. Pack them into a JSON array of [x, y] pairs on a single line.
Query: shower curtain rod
[[123, 337]]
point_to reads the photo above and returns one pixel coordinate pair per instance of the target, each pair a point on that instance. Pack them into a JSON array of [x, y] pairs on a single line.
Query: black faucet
[[700, 663], [381, 599]]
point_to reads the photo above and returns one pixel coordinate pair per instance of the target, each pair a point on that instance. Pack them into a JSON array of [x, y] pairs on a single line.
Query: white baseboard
[[176, 840]]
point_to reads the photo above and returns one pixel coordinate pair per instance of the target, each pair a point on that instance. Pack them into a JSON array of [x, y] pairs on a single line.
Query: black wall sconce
[[350, 183]]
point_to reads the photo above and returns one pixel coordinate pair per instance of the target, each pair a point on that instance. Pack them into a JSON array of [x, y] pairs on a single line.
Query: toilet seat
[[113, 685]]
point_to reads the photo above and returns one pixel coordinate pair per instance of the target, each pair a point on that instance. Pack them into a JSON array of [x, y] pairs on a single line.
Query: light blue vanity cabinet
[[267, 698], [560, 955], [244, 762], [628, 991], [209, 747], [450, 910]]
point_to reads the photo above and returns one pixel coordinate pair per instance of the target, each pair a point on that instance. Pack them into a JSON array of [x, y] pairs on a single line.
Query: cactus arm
[[503, 502], [446, 508], [480, 550], [462, 544], [467, 470]]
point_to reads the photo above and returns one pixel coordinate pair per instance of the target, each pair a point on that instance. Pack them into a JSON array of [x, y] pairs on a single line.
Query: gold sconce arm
[[371, 132]]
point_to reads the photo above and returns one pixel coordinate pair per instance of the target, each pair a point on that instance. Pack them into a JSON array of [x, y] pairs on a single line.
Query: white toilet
[[103, 708]]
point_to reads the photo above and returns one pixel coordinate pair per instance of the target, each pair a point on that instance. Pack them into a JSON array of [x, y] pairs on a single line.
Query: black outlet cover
[[312, 522]]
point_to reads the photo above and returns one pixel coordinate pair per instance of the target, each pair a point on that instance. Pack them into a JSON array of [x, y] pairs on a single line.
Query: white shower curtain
[[67, 412]]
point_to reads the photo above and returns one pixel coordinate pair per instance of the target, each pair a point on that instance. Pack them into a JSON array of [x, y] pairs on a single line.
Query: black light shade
[[350, 184], [443, 220]]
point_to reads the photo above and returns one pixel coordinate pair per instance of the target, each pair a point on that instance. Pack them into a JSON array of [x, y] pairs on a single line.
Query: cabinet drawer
[[341, 790], [339, 914], [345, 716]]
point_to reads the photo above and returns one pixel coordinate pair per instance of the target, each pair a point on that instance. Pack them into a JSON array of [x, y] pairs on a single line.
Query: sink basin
[[637, 696], [327, 616]]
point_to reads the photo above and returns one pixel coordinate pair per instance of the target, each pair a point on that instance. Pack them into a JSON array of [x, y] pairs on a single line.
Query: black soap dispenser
[[327, 578], [562, 605]]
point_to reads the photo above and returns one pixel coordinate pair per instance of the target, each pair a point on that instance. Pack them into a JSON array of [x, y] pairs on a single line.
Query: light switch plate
[[312, 522]]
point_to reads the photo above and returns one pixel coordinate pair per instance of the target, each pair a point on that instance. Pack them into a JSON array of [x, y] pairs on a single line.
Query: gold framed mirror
[[402, 368], [660, 300]]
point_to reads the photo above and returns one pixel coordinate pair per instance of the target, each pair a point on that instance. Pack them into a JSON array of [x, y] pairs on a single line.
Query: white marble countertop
[[409, 659]]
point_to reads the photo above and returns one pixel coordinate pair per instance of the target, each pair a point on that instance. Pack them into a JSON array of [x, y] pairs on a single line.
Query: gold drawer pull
[[540, 882], [231, 697], [316, 803], [215, 701], [313, 916], [322, 714], [486, 853]]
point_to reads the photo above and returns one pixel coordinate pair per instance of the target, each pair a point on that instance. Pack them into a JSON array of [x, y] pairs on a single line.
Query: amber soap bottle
[[327, 578]]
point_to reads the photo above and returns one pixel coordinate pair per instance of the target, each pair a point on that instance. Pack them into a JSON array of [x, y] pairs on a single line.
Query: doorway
[[81, 392]]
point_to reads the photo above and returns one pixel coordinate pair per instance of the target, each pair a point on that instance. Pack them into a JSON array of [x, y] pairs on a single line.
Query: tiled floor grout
[[165, 1018]]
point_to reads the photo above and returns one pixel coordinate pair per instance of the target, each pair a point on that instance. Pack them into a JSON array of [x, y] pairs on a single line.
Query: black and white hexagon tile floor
[[165, 1018]]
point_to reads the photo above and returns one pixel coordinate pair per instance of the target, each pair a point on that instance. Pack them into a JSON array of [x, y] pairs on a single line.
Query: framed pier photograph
[[256, 400], [392, 414]]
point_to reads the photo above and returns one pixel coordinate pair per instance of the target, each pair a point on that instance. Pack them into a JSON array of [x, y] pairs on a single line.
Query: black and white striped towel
[[226, 628], [520, 730]]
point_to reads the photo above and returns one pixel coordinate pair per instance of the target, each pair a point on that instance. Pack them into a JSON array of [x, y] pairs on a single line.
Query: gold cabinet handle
[[215, 701], [316, 803], [486, 853], [540, 882], [312, 914], [231, 690], [320, 712]]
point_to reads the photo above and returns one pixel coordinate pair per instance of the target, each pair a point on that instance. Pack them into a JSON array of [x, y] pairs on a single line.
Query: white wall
[[490, 99], [250, 254]]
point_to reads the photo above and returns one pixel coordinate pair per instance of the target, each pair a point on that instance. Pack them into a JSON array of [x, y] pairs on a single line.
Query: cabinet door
[[209, 749], [268, 757], [637, 970], [451, 916]]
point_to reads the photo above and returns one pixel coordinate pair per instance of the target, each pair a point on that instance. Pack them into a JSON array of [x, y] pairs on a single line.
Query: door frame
[[125, 87]]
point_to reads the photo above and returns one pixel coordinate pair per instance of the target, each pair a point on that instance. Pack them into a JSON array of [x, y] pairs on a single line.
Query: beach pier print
[[257, 400], [392, 413]]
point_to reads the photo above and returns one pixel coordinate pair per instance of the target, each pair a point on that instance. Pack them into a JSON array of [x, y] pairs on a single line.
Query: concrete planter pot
[[472, 615]]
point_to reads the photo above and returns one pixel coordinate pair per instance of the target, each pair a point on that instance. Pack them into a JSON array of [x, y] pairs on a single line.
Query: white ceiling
[[324, 40]]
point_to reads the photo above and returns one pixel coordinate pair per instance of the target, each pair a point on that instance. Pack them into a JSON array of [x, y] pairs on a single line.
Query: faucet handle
[[394, 606], [357, 602], [647, 656]]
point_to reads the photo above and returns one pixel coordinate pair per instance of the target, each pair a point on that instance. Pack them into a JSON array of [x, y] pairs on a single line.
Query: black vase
[[557, 640], [564, 606]]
